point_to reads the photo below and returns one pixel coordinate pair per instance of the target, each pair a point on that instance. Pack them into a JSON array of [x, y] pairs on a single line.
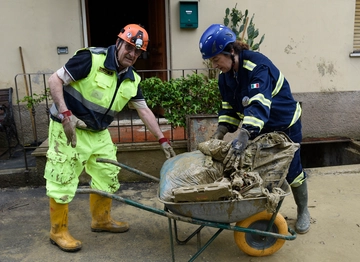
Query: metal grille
[[33, 119]]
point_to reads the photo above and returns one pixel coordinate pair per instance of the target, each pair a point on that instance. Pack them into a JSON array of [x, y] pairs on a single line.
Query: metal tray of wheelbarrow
[[225, 211]]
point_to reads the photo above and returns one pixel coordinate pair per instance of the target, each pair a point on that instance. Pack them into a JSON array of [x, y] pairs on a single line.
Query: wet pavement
[[333, 204]]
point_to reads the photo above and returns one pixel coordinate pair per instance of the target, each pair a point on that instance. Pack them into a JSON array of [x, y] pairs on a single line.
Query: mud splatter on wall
[[290, 48], [325, 67]]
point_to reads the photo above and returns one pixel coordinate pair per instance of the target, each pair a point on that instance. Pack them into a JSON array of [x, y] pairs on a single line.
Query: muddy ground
[[334, 236]]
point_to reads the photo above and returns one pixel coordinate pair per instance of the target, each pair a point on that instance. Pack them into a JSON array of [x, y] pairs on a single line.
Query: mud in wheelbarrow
[[256, 232], [226, 211]]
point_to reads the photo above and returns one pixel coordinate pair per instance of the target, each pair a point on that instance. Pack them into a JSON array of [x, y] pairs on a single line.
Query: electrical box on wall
[[188, 14]]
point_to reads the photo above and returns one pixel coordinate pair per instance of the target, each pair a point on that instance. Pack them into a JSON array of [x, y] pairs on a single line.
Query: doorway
[[106, 18]]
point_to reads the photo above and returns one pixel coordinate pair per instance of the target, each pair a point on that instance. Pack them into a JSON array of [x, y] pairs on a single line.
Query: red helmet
[[135, 35]]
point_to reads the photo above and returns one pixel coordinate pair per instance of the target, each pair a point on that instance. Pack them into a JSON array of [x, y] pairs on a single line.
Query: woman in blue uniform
[[256, 95]]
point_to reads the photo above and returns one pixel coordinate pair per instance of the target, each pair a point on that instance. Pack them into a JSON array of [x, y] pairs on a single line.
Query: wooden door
[[157, 35]]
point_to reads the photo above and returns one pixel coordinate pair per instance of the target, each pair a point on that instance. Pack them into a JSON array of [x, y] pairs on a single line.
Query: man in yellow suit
[[88, 91]]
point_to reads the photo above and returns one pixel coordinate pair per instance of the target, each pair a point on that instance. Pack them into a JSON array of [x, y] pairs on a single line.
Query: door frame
[[86, 34]]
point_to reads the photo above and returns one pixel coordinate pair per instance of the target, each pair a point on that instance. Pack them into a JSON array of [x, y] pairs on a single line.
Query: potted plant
[[191, 95]]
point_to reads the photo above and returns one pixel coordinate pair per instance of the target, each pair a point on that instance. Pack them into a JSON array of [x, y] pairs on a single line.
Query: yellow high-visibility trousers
[[65, 164]]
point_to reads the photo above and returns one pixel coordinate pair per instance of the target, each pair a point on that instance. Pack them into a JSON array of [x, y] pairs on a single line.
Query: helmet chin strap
[[233, 63]]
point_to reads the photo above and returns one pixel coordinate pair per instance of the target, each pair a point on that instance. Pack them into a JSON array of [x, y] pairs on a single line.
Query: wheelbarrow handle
[[138, 172]]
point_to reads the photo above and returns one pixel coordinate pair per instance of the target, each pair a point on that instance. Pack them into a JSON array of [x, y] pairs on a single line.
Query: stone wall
[[146, 157], [327, 114]]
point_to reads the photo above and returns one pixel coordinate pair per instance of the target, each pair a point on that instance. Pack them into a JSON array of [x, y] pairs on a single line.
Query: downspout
[[84, 23], [168, 39]]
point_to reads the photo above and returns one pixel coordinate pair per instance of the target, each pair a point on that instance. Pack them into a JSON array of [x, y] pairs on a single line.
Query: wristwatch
[[64, 114]]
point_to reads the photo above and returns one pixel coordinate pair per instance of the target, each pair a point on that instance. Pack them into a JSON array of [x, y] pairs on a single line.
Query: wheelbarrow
[[256, 232]]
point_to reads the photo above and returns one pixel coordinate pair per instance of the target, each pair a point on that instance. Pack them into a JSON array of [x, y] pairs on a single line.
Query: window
[[356, 43]]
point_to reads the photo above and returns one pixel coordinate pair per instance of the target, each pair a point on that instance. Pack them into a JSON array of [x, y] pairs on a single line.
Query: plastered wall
[[309, 41], [38, 27]]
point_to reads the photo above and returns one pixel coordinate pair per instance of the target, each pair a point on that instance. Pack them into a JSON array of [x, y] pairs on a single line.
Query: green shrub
[[36, 99], [190, 95]]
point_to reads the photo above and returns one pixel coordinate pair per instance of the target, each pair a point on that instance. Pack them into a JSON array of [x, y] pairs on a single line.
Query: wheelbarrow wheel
[[255, 244]]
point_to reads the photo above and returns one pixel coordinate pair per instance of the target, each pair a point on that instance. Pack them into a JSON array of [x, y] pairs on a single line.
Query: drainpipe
[[168, 38], [84, 24]]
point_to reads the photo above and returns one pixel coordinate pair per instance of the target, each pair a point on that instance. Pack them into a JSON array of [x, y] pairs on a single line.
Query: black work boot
[[303, 216]]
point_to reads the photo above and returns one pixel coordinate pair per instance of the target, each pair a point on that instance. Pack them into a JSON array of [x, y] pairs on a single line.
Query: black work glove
[[220, 132], [238, 145]]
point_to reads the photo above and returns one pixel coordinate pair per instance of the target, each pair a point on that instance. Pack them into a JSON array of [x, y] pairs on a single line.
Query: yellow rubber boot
[[59, 234], [100, 208]]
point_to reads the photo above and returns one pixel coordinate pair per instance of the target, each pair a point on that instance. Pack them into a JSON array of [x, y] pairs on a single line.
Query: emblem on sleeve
[[256, 85], [245, 101]]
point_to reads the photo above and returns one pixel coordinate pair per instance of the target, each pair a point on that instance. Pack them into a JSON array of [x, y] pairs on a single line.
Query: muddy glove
[[166, 147], [220, 132], [70, 122], [237, 147]]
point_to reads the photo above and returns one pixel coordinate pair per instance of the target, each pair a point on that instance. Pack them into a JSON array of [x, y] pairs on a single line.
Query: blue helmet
[[215, 39]]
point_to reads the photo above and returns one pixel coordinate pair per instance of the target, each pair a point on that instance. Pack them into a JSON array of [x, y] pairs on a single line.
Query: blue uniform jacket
[[258, 95]]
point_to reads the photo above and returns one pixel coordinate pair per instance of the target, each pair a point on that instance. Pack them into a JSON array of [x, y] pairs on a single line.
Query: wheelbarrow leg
[[206, 245], [180, 242], [171, 240], [183, 242]]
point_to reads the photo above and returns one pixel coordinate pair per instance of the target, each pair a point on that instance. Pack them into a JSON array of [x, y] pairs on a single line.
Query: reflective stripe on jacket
[[97, 98], [259, 95]]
